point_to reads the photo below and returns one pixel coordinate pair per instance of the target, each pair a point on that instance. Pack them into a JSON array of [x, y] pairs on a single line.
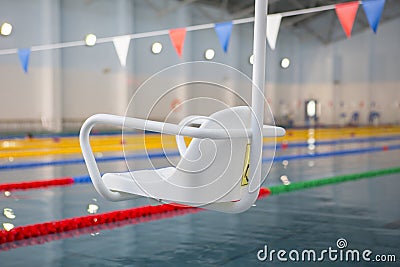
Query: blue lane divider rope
[[175, 154], [336, 142], [82, 179], [333, 153]]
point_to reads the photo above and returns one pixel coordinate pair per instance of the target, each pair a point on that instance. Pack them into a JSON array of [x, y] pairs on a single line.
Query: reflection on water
[[92, 208], [285, 180], [9, 213], [357, 211], [8, 226], [285, 163]]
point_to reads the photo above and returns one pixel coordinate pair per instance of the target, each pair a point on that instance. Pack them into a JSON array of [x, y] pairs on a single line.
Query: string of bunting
[[346, 13]]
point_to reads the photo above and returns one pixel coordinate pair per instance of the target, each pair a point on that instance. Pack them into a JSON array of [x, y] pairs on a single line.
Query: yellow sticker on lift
[[245, 173]]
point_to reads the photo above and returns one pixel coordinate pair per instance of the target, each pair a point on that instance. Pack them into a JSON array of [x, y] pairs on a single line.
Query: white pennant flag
[[273, 24], [121, 45]]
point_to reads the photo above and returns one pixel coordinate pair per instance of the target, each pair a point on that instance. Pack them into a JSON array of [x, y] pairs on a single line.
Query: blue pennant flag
[[224, 30], [24, 58], [373, 10]]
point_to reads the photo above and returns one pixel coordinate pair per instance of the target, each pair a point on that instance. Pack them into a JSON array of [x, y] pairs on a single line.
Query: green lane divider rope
[[331, 180]]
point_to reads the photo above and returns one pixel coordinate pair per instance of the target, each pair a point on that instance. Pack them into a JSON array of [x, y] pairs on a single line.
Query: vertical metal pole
[[259, 51], [250, 194]]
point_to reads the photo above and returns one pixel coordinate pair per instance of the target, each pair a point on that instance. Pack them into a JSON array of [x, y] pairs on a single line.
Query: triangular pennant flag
[[373, 10], [346, 13], [224, 30], [273, 24], [178, 38], [121, 45], [23, 55]]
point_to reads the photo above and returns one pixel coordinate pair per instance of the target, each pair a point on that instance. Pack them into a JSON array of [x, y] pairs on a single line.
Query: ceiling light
[[285, 62], [6, 29], [209, 54], [90, 39], [156, 48]]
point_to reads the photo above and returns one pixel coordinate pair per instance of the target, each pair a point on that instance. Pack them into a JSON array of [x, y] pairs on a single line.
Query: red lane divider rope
[[35, 230], [91, 230], [264, 192], [138, 215], [37, 184]]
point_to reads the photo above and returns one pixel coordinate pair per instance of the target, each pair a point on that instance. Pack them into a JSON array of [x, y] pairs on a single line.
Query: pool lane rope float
[[148, 213], [92, 230], [302, 185], [299, 131], [151, 142], [344, 152], [37, 184], [138, 214]]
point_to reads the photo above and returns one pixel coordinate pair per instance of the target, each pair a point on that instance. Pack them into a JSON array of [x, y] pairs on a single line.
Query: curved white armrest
[[88, 156], [175, 129]]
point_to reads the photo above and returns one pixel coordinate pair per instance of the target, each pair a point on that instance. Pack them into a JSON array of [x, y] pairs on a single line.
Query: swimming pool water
[[365, 213]]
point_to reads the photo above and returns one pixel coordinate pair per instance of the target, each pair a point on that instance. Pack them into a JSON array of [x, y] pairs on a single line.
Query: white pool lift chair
[[221, 167]]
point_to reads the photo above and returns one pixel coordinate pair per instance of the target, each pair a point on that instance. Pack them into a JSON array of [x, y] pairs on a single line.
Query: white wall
[[73, 83], [355, 72], [35, 96]]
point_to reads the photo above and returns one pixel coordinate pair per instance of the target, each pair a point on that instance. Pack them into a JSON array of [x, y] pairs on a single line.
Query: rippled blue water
[[366, 213]]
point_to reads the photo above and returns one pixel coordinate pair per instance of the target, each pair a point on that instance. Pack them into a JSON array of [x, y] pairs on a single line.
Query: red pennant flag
[[346, 13], [178, 38]]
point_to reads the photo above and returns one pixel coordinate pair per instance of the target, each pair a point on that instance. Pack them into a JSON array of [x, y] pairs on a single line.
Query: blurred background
[[350, 81]]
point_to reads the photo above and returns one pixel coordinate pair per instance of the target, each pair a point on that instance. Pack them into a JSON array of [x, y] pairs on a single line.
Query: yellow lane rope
[[70, 145]]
